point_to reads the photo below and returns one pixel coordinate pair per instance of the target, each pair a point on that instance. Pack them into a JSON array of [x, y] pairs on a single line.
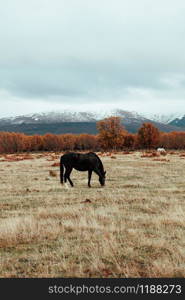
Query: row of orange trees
[[19, 142], [111, 136]]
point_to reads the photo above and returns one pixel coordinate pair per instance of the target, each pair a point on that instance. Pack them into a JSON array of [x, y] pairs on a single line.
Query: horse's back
[[68, 157], [78, 156], [81, 162], [85, 161]]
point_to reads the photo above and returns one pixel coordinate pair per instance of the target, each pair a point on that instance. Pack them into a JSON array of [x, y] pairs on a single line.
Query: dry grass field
[[133, 227]]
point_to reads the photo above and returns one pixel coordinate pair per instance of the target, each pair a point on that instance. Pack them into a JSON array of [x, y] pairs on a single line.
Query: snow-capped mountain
[[165, 118], [70, 116], [179, 121], [81, 122]]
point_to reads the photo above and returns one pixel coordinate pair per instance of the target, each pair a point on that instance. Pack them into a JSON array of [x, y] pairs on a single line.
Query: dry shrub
[[40, 156], [161, 159], [146, 155], [52, 173], [155, 154], [52, 157], [163, 153], [114, 157], [108, 154], [55, 165], [104, 154], [27, 156], [151, 154], [12, 158], [15, 157], [86, 201]]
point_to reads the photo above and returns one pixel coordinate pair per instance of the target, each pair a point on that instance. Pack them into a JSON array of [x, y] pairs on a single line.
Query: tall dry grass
[[133, 227]]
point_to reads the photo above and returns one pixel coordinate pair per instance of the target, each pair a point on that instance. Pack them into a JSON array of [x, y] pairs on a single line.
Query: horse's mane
[[92, 153]]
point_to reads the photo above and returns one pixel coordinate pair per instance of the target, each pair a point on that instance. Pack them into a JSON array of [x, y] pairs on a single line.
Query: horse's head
[[102, 178]]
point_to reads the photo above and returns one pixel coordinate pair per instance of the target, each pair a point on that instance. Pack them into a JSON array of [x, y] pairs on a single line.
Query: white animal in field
[[162, 151]]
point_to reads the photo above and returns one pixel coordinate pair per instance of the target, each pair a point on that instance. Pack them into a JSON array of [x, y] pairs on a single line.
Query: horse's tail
[[61, 172]]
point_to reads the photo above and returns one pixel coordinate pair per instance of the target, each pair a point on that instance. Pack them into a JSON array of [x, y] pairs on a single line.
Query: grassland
[[133, 227]]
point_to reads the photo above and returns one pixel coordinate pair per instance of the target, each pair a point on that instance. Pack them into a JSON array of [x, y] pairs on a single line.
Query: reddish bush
[[55, 165], [126, 152], [161, 159], [52, 173]]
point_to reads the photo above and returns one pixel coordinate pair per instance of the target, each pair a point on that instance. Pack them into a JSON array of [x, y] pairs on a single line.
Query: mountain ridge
[[77, 122]]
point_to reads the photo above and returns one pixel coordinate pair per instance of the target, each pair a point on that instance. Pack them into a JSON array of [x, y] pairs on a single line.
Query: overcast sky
[[99, 54]]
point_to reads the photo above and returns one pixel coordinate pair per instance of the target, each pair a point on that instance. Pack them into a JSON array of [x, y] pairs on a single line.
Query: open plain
[[132, 227]]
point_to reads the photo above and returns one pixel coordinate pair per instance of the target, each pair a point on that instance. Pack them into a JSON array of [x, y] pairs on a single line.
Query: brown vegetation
[[111, 133], [161, 159], [148, 136], [112, 137], [151, 154], [52, 173], [133, 227], [55, 164]]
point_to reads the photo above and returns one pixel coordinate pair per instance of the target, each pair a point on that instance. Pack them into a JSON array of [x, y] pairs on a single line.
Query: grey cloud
[[74, 82], [80, 51]]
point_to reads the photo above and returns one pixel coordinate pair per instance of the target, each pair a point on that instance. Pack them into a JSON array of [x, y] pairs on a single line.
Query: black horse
[[82, 162]]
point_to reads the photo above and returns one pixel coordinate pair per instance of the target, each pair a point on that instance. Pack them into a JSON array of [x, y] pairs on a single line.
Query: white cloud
[[144, 101], [173, 80]]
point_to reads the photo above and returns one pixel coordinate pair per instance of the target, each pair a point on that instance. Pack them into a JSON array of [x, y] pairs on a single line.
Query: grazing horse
[[82, 162]]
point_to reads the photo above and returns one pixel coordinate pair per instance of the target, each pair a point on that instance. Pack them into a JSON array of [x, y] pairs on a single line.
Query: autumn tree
[[86, 141], [111, 133], [12, 142], [50, 142], [173, 140], [129, 141], [37, 142], [148, 136], [5, 142], [67, 141]]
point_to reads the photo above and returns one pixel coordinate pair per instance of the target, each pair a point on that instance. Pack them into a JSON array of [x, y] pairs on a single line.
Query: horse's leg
[[65, 175], [89, 177], [68, 172], [61, 172]]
